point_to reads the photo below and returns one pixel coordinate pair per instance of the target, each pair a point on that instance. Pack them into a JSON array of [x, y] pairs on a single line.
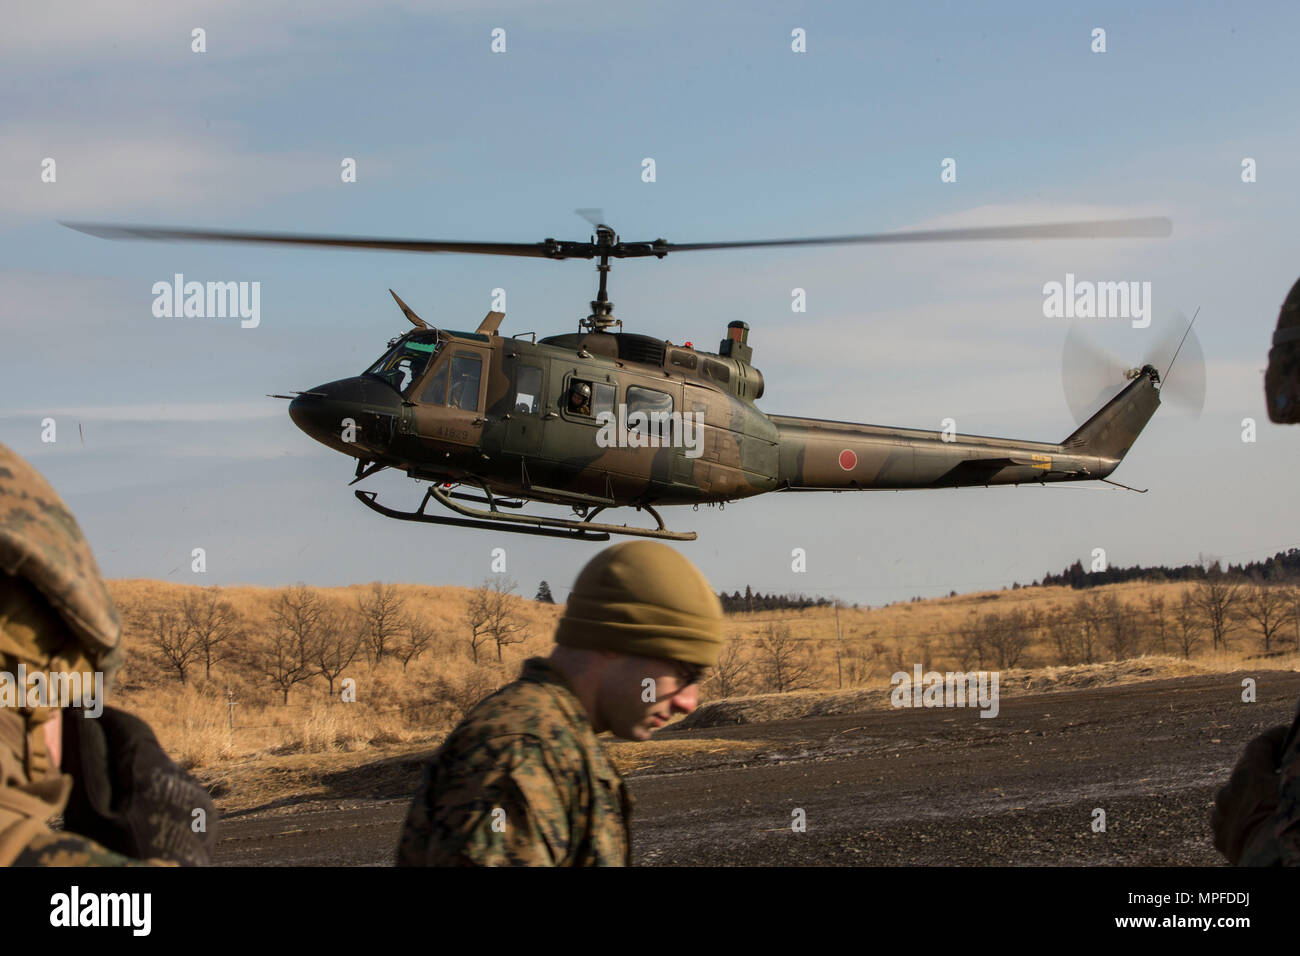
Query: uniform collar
[[539, 670]]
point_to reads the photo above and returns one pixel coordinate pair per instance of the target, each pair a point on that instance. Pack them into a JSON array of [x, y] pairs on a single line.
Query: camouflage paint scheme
[[522, 781], [550, 454]]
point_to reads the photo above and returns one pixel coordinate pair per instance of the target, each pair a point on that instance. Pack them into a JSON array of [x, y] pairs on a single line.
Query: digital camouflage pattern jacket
[[51, 848], [522, 781], [26, 839]]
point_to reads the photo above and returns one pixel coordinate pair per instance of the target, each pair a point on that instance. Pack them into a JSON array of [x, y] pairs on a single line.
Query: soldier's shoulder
[[58, 848], [527, 708]]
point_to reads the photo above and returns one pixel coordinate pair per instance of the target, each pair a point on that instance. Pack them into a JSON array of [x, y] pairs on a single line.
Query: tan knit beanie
[[644, 599]]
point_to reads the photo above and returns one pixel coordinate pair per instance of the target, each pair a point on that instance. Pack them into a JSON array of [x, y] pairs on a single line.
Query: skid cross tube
[[367, 498], [585, 530]]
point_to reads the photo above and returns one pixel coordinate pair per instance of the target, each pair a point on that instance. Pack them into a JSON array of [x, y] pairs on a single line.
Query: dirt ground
[[909, 786]]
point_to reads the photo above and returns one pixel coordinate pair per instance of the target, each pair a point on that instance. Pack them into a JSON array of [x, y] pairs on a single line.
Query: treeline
[[1219, 614], [299, 635], [737, 603], [1283, 567], [1218, 611]]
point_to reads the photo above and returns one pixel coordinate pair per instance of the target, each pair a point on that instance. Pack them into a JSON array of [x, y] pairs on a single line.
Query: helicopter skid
[[583, 530]]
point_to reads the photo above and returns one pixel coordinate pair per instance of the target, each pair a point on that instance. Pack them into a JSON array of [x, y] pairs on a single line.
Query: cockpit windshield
[[403, 364]]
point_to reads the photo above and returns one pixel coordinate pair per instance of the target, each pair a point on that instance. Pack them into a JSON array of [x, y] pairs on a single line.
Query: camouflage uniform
[[48, 848], [522, 781], [56, 615]]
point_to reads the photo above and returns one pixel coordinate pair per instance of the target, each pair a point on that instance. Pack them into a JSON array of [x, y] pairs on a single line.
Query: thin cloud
[[191, 412]]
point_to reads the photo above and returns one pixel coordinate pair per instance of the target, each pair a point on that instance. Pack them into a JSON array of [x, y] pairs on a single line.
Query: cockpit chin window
[[404, 364]]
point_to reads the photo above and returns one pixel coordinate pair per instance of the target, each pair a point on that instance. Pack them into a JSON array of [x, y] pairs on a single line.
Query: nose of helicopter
[[356, 416]]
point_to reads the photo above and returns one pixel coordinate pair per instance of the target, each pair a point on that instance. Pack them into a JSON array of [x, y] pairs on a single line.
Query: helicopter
[[601, 418]]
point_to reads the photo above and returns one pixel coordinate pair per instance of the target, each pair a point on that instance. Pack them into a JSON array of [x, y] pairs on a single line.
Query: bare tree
[[1087, 625], [1118, 628], [1217, 596], [1158, 616], [417, 636], [1009, 635], [861, 658], [896, 654], [974, 642], [175, 640], [493, 613], [1268, 608], [785, 662], [1293, 598], [732, 668], [1060, 623], [213, 621], [478, 612], [380, 608], [287, 653], [337, 644], [1187, 623]]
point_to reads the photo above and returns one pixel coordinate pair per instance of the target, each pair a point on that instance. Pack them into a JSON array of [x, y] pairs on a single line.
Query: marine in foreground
[[523, 780], [123, 801]]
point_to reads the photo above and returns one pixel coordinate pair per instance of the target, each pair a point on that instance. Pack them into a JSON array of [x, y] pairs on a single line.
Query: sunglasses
[[689, 673]]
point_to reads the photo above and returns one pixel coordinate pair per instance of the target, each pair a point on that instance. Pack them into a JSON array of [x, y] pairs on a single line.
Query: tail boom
[[819, 455]]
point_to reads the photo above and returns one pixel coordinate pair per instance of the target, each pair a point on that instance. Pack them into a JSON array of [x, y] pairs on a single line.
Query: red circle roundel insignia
[[848, 460]]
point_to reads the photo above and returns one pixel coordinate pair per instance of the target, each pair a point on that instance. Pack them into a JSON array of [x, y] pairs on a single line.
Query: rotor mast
[[602, 318]]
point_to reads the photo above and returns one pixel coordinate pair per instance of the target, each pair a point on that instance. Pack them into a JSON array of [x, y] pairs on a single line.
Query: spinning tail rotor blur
[[1091, 374]]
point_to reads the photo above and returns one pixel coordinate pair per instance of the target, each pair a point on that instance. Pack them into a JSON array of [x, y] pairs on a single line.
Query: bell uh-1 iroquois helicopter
[[598, 419]]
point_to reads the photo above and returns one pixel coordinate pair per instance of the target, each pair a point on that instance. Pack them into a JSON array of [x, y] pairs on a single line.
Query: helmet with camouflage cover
[[43, 552], [1282, 380], [56, 617]]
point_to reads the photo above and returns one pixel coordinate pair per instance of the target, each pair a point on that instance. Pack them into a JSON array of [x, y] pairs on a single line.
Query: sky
[[166, 441]]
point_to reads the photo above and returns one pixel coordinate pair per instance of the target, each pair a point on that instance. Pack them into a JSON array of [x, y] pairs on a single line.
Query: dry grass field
[[233, 711], [246, 716]]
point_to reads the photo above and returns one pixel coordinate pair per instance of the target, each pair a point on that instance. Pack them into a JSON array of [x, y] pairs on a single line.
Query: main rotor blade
[[1153, 228], [110, 231], [558, 249]]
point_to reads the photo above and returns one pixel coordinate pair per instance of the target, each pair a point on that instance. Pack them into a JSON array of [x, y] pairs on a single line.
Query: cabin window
[[435, 393], [602, 399], [405, 363], [528, 389], [655, 412], [466, 370]]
